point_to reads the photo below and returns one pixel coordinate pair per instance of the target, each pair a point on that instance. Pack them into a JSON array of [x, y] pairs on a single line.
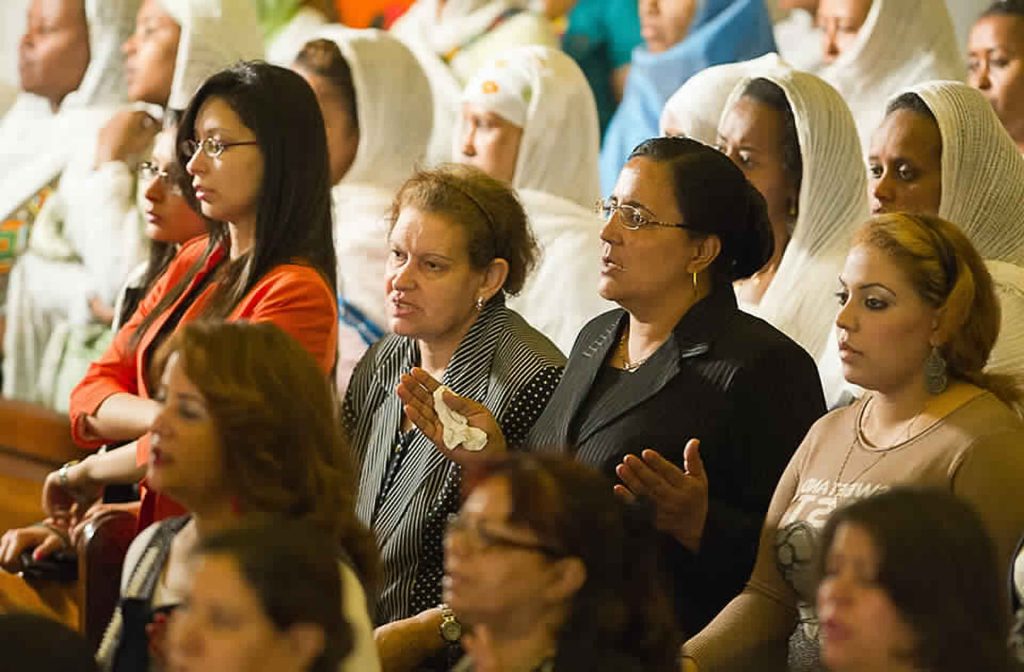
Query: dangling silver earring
[[479, 303], [935, 378]]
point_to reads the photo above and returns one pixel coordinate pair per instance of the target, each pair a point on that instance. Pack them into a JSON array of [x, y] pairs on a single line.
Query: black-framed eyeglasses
[[479, 539], [212, 147], [632, 217], [149, 171]]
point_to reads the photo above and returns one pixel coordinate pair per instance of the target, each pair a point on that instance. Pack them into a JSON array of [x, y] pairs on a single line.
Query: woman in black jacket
[[678, 361]]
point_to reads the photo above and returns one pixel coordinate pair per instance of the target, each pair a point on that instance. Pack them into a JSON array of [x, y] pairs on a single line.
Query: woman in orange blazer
[[252, 141]]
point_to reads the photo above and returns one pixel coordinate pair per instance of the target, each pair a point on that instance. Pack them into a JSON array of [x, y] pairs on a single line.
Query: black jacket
[[747, 391]]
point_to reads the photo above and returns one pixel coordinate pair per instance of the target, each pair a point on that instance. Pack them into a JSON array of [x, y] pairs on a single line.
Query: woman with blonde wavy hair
[[918, 318]]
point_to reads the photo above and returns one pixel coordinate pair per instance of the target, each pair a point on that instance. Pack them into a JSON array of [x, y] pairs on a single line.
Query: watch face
[[451, 631]]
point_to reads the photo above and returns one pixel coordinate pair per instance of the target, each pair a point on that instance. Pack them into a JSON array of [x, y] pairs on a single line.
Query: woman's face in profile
[[487, 141], [861, 627], [150, 54], [642, 267], [169, 217], [905, 165], [840, 22], [222, 626], [186, 459]]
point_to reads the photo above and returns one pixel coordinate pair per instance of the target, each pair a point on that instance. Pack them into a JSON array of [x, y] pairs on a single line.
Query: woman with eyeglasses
[[259, 172], [678, 360], [549, 571]]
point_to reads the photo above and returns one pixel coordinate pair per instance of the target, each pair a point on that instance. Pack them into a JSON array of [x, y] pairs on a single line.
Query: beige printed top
[[977, 452]]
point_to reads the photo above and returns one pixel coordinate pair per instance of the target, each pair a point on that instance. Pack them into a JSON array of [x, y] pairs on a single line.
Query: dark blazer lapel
[[637, 388], [553, 434], [692, 337], [467, 374]]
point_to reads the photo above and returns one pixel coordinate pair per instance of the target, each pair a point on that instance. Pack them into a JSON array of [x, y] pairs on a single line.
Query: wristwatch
[[451, 629]]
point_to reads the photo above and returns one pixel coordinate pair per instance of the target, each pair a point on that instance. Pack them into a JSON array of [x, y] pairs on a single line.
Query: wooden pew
[[33, 442]]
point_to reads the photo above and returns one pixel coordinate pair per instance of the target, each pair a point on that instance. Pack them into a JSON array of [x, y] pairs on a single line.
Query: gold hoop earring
[[695, 281]]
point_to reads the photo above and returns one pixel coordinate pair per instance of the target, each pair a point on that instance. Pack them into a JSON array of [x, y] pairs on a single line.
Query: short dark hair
[[44, 645], [771, 94], [1005, 8], [488, 210], [938, 565], [290, 566], [716, 199], [621, 619], [324, 59]]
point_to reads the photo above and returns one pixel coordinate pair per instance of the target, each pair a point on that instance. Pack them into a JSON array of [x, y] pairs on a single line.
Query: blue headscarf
[[724, 31]]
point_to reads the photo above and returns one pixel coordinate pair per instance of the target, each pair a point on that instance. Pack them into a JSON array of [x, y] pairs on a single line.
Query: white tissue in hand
[[456, 430]]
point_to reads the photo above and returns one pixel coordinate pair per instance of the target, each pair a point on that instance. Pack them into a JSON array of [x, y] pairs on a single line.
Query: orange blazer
[[295, 297]]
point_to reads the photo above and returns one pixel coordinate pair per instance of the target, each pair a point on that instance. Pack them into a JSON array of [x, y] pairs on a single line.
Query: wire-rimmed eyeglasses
[[478, 538], [149, 171], [632, 217], [212, 147]]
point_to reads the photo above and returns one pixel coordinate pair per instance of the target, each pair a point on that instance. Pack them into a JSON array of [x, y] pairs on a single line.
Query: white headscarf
[[964, 14], [545, 92], [458, 22], [393, 103], [696, 108], [902, 43], [982, 170], [111, 23], [35, 144], [833, 201], [983, 194], [394, 108], [214, 35]]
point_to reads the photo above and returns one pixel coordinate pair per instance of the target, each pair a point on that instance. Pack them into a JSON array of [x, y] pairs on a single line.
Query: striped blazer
[[503, 363]]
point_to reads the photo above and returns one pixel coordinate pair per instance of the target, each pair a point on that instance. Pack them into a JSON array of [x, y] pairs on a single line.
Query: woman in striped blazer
[[459, 242]]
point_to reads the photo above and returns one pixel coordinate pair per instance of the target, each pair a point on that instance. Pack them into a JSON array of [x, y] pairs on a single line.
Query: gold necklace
[[858, 432], [627, 366]]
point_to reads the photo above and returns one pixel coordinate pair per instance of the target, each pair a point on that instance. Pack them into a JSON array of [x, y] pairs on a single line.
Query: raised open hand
[[680, 496]]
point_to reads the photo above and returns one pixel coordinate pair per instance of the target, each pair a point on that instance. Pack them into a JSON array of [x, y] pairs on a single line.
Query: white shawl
[[457, 22], [286, 43], [833, 202], [696, 108], [983, 194], [394, 105], [902, 43], [35, 143], [558, 184], [214, 35]]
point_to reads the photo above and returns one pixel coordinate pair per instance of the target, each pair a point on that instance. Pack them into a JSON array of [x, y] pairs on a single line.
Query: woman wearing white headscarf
[[540, 94], [901, 43], [58, 116], [830, 204], [981, 190], [454, 38], [366, 87], [695, 109], [88, 237]]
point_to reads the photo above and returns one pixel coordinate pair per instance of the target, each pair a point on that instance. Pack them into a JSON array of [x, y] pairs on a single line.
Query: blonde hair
[[948, 274]]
